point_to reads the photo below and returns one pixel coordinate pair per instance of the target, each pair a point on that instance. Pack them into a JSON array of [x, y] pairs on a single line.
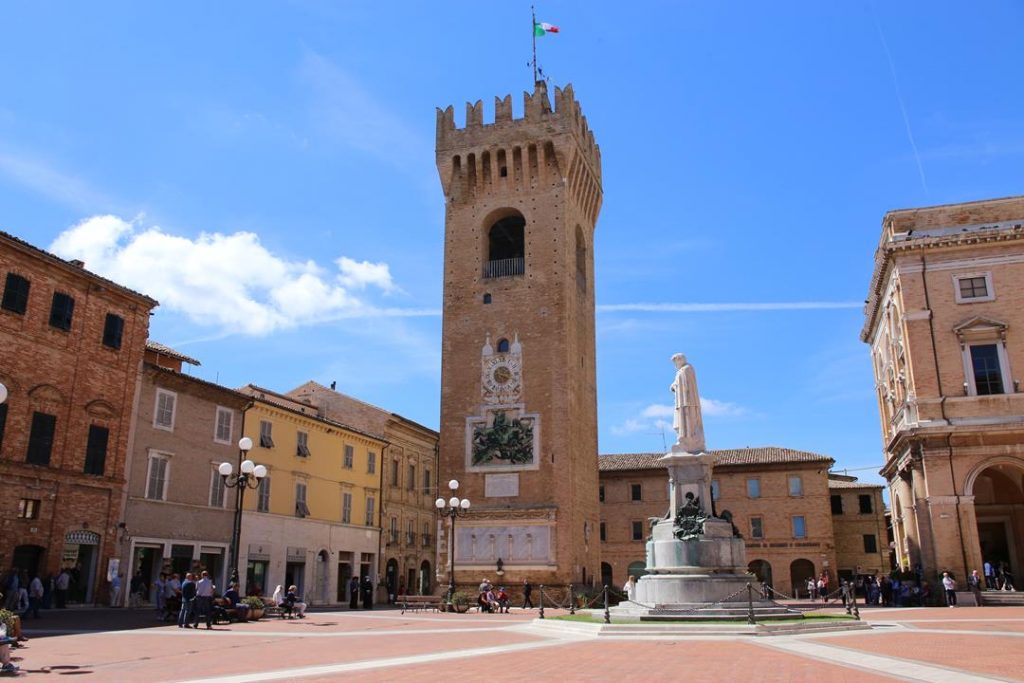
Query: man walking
[[188, 596], [35, 596], [115, 590], [527, 593], [949, 584], [204, 601], [61, 588]]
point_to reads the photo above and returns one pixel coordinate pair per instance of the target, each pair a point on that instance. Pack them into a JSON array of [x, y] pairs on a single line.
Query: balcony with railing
[[505, 267], [410, 538], [427, 540]]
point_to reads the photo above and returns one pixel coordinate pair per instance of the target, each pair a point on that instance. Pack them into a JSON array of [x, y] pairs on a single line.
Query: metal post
[[542, 601], [750, 605], [572, 600], [607, 614], [451, 566]]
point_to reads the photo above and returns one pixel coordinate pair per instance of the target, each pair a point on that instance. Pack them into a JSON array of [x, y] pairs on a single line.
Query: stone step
[[1002, 598]]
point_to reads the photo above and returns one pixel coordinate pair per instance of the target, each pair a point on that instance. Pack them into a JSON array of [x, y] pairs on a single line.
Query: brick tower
[[518, 388]]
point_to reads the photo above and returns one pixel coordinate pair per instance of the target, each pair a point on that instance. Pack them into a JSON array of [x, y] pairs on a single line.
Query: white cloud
[[359, 274], [657, 417], [231, 282]]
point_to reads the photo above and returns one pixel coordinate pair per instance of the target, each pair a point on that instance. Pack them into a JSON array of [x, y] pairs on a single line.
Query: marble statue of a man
[[687, 420]]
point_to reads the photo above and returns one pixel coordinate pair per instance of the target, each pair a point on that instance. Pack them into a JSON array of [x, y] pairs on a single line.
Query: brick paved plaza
[[962, 645]]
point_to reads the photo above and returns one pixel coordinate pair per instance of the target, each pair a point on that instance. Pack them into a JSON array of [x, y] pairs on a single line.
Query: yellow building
[[315, 519]]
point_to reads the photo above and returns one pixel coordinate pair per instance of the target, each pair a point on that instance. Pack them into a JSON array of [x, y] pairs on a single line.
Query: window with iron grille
[[40, 439], [837, 504], [96, 450], [62, 310], [15, 297], [113, 331]]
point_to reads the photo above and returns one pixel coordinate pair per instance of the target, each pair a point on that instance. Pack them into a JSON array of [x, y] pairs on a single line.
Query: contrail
[[899, 99], [713, 308]]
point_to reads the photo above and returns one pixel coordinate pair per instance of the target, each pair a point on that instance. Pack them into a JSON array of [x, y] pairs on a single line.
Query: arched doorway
[[607, 579], [81, 552], [999, 509], [637, 569], [762, 570], [799, 571], [425, 586]]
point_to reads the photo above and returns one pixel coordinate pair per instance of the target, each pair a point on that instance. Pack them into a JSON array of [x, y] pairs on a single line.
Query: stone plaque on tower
[[518, 397]]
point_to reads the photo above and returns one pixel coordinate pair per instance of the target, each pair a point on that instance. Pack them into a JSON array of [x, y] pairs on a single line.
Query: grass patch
[[590, 619]]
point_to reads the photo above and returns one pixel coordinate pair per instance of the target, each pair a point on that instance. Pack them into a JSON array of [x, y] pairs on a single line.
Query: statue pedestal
[[704, 574]]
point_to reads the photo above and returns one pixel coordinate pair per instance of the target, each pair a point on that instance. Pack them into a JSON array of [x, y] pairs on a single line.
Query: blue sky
[[265, 169]]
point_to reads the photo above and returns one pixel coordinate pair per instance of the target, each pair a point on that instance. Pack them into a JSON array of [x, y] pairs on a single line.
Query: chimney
[[77, 263], [334, 384]]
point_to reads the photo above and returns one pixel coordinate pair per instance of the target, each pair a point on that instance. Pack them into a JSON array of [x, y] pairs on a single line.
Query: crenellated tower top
[[471, 158]]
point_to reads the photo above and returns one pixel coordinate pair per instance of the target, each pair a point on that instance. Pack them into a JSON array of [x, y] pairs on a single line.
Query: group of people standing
[[360, 589]]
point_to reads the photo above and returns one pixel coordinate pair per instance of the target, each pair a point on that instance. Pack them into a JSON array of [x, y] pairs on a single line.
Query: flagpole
[[533, 33]]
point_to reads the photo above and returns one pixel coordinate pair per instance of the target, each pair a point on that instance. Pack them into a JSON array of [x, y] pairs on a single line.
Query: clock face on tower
[[502, 379]]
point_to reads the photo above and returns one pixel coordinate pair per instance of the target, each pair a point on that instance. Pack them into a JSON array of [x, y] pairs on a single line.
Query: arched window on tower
[[506, 247], [503, 346]]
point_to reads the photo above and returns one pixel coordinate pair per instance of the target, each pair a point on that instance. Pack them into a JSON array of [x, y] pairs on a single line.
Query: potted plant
[[461, 602], [8, 619], [256, 607]]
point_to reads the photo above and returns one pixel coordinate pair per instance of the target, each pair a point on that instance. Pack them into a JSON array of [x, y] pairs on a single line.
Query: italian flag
[[540, 28]]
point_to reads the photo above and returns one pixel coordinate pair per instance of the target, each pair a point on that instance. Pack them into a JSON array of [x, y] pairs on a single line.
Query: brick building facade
[[859, 527], [778, 500], [73, 345], [179, 515], [518, 362], [944, 323]]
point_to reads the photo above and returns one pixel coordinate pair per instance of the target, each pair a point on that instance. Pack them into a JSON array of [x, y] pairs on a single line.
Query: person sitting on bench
[[294, 603]]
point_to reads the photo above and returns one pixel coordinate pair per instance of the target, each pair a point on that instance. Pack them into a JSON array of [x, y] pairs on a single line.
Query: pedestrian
[[367, 591], [204, 600], [35, 595], [353, 593], [527, 593], [949, 584], [294, 602], [22, 603], [974, 583], [812, 588], [990, 575], [136, 587], [885, 590], [158, 592], [630, 588], [188, 596], [485, 585], [115, 589], [61, 588], [503, 600], [1005, 577], [11, 585]]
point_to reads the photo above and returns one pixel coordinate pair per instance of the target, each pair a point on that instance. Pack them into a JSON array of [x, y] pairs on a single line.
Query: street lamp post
[[249, 476], [452, 508]]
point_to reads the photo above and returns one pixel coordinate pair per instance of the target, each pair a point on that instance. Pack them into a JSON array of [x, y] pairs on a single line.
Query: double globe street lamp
[[452, 508], [249, 476]]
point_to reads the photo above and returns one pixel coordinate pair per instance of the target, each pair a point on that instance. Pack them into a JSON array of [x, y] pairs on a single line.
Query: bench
[[424, 602]]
